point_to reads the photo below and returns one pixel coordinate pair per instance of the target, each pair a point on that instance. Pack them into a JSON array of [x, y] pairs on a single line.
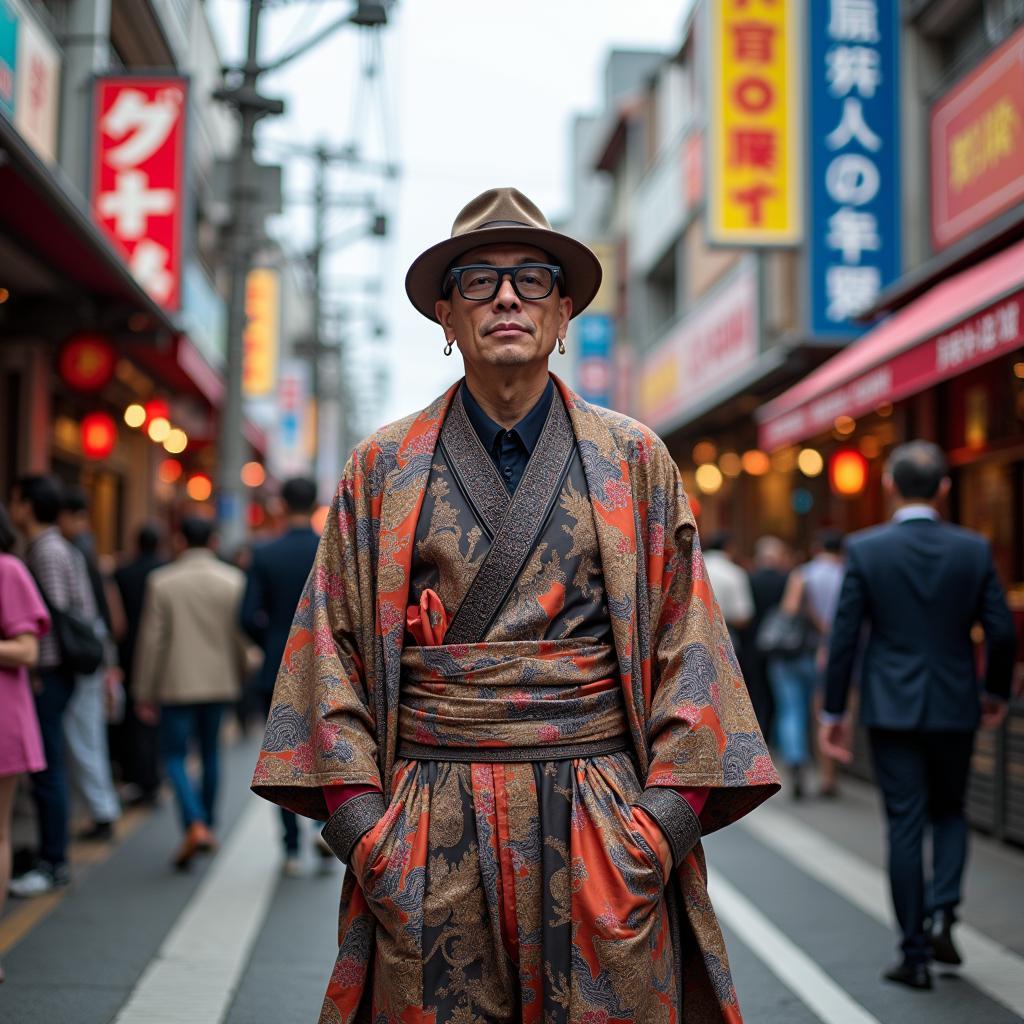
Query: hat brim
[[581, 269]]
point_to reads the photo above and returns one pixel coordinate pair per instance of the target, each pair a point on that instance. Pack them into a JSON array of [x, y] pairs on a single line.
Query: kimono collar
[[528, 429]]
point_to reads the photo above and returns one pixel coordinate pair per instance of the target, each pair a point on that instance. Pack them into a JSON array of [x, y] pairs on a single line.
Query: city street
[[800, 890]]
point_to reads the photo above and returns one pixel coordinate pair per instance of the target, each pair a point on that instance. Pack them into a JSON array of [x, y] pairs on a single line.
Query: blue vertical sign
[[854, 172], [596, 333], [8, 56]]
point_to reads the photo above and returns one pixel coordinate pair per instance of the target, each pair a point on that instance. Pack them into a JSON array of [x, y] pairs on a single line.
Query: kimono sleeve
[[321, 730], [702, 730]]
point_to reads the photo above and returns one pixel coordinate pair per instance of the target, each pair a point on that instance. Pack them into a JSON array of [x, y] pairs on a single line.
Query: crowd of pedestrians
[[109, 680]]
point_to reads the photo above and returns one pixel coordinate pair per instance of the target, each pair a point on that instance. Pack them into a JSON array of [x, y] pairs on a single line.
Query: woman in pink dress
[[23, 619]]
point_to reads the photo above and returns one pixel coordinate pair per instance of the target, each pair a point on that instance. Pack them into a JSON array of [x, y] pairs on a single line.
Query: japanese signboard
[[295, 416], [853, 159], [8, 56], [977, 139], [754, 194], [595, 334], [37, 89], [702, 352], [138, 179], [259, 364], [986, 335]]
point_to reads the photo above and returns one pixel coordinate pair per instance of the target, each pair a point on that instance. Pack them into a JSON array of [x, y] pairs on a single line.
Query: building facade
[[111, 289]]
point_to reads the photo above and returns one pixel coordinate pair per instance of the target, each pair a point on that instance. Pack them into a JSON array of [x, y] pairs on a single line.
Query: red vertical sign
[[138, 176]]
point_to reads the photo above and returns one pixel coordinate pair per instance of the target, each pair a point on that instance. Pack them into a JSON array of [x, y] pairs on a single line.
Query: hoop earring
[[561, 347], [448, 349]]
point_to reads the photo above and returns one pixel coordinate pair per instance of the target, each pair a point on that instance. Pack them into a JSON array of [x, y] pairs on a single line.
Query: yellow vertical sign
[[754, 180], [259, 365]]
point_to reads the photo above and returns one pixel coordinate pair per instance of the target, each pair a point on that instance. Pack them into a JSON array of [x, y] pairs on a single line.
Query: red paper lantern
[[86, 361], [98, 433], [156, 408], [848, 472]]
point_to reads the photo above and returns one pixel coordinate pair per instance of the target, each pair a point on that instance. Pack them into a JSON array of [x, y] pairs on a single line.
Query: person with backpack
[[73, 646]]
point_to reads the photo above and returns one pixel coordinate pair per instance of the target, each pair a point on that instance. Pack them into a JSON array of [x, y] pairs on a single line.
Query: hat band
[[504, 224]]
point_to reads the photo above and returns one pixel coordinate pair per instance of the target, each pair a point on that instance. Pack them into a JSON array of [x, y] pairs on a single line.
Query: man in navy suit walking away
[[921, 585], [277, 575]]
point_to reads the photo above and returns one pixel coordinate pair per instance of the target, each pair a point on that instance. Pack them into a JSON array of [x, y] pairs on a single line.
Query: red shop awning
[[974, 317]]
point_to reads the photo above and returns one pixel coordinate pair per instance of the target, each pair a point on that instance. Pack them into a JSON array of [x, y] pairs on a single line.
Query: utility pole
[[242, 238]]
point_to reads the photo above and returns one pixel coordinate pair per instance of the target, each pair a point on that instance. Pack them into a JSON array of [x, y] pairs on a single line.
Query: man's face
[[506, 331]]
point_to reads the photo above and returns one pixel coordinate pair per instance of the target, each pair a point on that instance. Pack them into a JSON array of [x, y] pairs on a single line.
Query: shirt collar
[[922, 511], [528, 429]]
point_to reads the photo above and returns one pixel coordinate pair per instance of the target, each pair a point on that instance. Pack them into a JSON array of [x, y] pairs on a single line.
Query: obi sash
[[515, 701]]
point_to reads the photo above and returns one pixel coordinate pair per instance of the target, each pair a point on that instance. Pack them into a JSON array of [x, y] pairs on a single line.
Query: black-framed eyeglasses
[[479, 282]]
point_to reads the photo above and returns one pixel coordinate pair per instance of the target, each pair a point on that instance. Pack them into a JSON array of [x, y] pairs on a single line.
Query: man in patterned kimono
[[508, 686]]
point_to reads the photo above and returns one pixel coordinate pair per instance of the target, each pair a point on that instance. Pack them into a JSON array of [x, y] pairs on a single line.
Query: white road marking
[[196, 972], [988, 965], [791, 965]]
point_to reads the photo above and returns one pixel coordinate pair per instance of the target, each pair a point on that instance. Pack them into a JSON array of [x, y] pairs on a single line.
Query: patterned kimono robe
[[584, 667]]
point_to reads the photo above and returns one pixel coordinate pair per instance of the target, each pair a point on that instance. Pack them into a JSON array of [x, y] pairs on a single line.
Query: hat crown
[[499, 208]]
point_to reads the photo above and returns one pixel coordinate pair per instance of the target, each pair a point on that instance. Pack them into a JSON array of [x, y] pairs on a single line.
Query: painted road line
[[196, 972], [988, 965], [791, 965]]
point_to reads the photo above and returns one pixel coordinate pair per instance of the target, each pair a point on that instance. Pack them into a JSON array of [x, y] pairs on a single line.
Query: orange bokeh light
[[756, 462], [170, 471], [318, 520], [848, 472], [253, 474], [199, 487]]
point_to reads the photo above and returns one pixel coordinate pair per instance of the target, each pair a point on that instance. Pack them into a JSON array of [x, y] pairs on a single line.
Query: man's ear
[[944, 488], [443, 312]]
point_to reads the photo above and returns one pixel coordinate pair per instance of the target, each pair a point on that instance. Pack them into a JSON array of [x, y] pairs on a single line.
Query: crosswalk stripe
[[989, 966], [194, 975], [790, 964]]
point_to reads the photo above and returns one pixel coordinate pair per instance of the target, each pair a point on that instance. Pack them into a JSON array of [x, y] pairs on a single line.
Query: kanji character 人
[[133, 202], [850, 290], [854, 21], [853, 67], [753, 198], [752, 147], [853, 126], [146, 122], [853, 232], [752, 41]]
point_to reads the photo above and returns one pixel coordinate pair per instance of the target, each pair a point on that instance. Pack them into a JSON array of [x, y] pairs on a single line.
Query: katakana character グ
[[143, 123], [853, 232], [850, 290], [853, 126], [853, 67], [854, 21]]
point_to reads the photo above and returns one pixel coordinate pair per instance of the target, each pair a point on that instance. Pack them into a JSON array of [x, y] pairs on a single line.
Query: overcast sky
[[480, 95]]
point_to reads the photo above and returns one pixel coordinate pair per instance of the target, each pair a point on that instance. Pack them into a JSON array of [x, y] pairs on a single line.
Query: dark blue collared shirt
[[509, 450]]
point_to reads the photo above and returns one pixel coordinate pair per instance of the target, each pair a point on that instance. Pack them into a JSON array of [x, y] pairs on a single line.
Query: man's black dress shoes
[[911, 974], [943, 950]]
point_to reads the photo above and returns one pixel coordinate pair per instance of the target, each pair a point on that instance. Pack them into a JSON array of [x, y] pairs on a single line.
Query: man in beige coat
[[188, 667]]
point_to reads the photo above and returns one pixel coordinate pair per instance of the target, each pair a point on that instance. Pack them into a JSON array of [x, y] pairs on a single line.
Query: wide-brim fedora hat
[[496, 217]]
